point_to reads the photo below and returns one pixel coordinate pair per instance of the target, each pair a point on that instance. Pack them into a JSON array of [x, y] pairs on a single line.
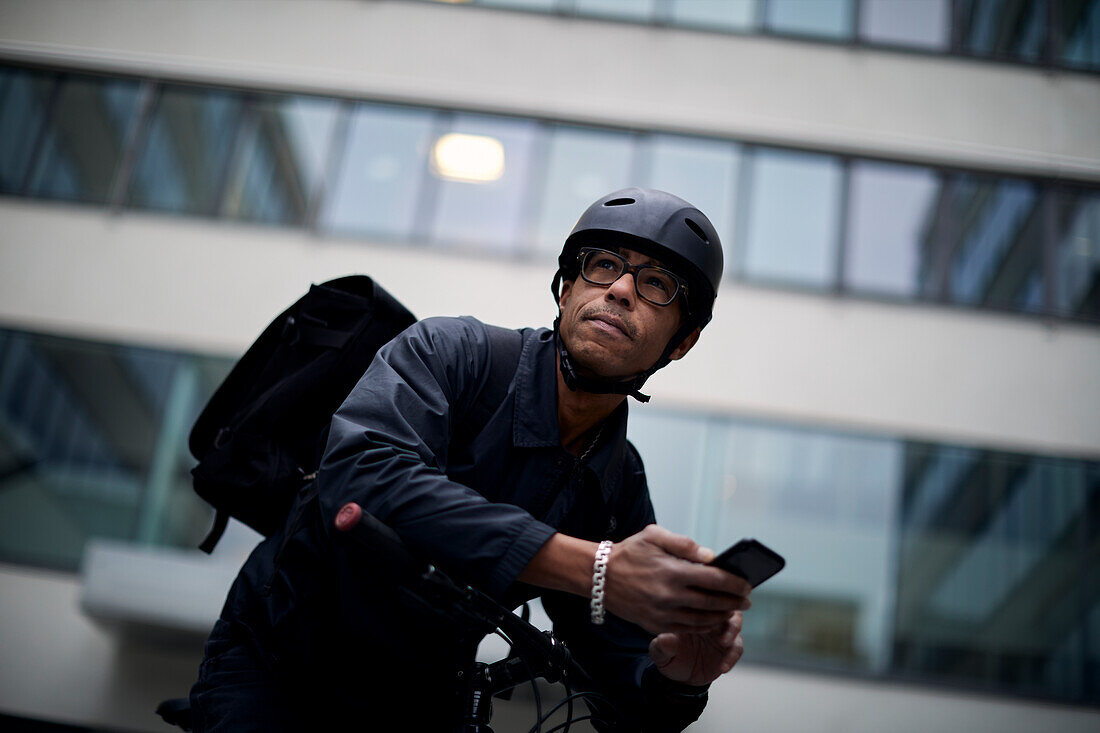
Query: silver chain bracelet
[[599, 580]]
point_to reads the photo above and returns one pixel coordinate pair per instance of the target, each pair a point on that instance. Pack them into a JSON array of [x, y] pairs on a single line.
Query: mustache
[[594, 311]]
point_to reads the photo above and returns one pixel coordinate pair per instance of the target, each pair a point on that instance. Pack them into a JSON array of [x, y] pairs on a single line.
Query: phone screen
[[751, 560]]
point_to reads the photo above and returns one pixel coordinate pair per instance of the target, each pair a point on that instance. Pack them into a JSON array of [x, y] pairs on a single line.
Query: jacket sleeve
[[387, 450], [616, 653]]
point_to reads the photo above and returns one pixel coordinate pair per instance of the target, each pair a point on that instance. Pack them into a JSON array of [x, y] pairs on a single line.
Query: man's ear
[[685, 345], [563, 297]]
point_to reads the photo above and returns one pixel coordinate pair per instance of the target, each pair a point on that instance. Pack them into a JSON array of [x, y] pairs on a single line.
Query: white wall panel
[[947, 374]]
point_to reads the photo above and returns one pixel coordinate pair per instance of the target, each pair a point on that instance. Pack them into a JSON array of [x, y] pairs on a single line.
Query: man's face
[[610, 331]]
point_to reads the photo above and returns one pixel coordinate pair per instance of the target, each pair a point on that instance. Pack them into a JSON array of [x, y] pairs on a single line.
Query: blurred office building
[[900, 390]]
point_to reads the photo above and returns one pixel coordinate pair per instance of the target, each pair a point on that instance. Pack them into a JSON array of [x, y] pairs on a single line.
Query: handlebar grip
[[384, 548]]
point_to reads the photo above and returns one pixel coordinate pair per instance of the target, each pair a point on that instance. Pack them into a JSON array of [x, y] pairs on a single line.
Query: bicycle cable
[[569, 701]]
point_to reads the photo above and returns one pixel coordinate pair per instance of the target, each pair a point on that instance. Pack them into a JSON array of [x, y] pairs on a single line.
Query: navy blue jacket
[[479, 506]]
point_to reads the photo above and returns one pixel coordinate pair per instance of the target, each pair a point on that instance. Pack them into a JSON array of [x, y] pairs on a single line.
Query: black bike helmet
[[658, 225]]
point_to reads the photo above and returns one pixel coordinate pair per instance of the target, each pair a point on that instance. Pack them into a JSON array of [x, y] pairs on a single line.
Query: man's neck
[[579, 412]]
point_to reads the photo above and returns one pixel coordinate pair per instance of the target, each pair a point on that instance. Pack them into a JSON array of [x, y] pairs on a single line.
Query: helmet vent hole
[[697, 229], [619, 202]]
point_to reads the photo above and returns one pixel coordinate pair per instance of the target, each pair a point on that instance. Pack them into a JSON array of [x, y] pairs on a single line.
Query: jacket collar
[[535, 416]]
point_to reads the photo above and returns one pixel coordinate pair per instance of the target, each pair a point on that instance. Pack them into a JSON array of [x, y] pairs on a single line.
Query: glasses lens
[[602, 268], [656, 285]]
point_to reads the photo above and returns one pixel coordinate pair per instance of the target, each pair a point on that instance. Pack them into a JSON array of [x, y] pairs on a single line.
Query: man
[[308, 634]]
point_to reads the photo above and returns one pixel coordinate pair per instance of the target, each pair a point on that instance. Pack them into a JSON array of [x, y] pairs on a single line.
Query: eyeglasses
[[653, 284]]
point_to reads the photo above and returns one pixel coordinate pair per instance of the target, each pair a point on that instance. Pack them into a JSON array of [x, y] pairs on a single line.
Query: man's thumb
[[662, 649]]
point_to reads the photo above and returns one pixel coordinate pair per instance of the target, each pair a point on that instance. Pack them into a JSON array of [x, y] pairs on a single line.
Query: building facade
[[898, 391]]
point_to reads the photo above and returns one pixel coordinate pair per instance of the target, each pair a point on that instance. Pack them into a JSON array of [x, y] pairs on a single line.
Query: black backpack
[[259, 439]]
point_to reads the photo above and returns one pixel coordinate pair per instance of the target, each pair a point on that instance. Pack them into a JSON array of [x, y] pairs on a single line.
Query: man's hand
[[655, 579], [699, 659]]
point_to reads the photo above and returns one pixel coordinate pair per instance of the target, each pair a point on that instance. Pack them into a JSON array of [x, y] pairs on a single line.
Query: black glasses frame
[[633, 270]]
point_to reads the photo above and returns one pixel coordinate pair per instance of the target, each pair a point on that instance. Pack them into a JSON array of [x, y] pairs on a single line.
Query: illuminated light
[[471, 158]]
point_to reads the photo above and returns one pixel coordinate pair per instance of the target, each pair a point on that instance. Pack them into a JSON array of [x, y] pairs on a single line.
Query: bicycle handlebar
[[542, 654]]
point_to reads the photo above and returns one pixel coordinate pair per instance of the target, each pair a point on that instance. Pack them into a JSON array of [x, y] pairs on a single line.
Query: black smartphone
[[750, 560]]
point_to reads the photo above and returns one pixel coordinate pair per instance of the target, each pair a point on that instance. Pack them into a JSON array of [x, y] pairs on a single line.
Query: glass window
[[701, 171], [93, 444], [1077, 254], [24, 100], [187, 150], [827, 503], [674, 448], [904, 558], [1003, 29], [83, 144], [997, 554], [997, 258], [1081, 33], [618, 9], [281, 159], [583, 165], [481, 201], [793, 217], [916, 23], [825, 18], [537, 5], [735, 15], [891, 210], [382, 172]]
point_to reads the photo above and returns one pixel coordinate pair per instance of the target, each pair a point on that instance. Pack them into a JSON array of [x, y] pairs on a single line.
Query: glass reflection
[[891, 210], [24, 103], [988, 589], [827, 503], [382, 171], [187, 151], [281, 160], [488, 214], [1003, 29], [93, 444], [703, 172], [584, 164], [934, 562], [1077, 254], [825, 18], [83, 144], [618, 9], [737, 15], [997, 257], [793, 215], [1080, 33], [537, 5], [923, 24]]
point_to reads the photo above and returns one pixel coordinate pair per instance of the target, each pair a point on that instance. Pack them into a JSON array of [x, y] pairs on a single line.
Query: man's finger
[[703, 601], [697, 621], [715, 579], [733, 655], [679, 545]]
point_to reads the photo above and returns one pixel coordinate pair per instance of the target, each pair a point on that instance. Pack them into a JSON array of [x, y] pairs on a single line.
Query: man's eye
[[657, 282], [606, 263]]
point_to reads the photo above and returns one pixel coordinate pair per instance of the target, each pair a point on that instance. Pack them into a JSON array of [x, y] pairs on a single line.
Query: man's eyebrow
[[649, 260]]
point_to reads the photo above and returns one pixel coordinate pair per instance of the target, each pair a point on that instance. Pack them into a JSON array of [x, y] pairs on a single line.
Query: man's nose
[[622, 289]]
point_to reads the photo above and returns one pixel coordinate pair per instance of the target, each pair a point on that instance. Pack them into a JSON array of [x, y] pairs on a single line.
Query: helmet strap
[[581, 383], [629, 386]]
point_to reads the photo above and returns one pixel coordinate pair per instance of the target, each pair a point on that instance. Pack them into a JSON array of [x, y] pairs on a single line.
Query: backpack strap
[[507, 345]]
